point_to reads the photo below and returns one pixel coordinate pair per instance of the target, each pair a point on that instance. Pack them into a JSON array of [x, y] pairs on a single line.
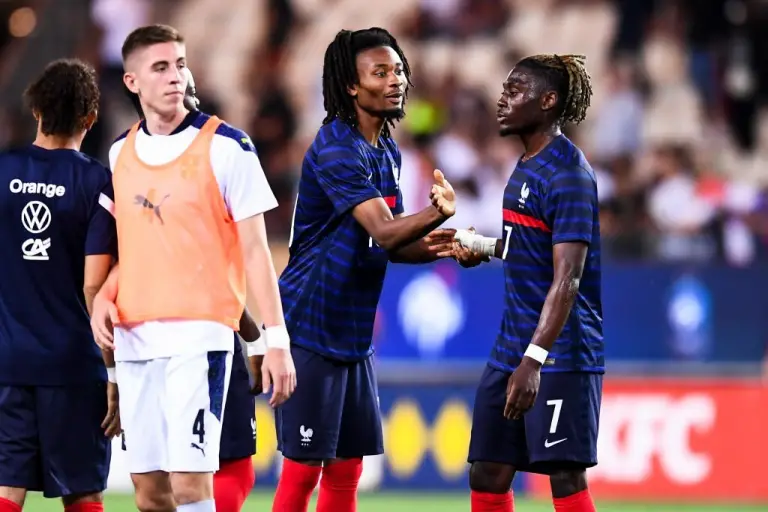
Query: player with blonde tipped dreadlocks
[[537, 407]]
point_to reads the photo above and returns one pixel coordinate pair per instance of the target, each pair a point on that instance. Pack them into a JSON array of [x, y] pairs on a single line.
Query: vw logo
[[36, 217]]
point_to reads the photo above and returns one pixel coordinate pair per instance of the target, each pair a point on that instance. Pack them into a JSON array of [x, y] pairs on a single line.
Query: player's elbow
[[567, 288], [90, 290], [385, 237], [387, 244]]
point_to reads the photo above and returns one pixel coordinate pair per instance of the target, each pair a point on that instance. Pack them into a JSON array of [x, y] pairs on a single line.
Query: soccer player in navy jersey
[[348, 224], [552, 322], [58, 412], [235, 478]]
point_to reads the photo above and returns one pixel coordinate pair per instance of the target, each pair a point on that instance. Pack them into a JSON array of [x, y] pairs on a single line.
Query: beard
[[394, 114], [507, 131], [388, 114]]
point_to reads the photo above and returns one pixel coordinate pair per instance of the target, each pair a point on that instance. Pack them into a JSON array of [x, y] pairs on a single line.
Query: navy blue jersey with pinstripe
[[550, 199], [331, 286], [56, 209]]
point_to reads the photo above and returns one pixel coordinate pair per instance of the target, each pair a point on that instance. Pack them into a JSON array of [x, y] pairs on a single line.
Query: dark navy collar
[[188, 121], [32, 148], [546, 155]]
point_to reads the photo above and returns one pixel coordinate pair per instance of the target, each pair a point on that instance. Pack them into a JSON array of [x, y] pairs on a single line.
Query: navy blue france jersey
[[550, 199], [56, 210], [331, 286]]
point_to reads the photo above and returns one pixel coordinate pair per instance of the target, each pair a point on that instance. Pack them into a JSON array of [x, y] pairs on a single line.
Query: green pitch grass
[[401, 502]]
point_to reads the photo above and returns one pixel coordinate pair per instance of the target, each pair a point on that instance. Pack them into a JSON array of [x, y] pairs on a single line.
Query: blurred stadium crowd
[[678, 128]]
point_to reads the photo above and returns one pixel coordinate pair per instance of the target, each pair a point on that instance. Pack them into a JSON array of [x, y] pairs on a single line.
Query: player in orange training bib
[[190, 195]]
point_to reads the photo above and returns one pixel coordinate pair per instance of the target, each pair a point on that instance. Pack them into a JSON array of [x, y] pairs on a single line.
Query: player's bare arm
[[435, 245], [104, 312], [278, 369], [568, 259], [256, 347], [249, 330], [392, 233], [97, 270]]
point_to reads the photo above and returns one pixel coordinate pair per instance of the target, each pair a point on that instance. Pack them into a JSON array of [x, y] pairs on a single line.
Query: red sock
[[338, 487], [9, 506], [232, 483], [579, 502], [488, 502], [295, 486], [84, 506]]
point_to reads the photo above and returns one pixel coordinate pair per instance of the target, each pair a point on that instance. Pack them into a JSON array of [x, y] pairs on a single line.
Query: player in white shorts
[[189, 201]]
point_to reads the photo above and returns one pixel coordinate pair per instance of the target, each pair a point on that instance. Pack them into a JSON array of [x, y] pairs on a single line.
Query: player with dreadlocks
[[552, 322], [348, 224]]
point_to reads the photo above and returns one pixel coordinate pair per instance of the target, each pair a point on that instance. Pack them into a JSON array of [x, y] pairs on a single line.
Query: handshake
[[452, 243]]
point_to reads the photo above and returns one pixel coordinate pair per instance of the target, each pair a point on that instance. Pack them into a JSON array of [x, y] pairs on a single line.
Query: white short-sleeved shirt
[[246, 193]]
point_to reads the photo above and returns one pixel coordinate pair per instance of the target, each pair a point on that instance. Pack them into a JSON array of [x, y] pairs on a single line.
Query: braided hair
[[568, 76], [340, 72]]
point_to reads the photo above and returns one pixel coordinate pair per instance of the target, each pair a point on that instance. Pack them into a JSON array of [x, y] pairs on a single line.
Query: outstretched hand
[[442, 195], [440, 242]]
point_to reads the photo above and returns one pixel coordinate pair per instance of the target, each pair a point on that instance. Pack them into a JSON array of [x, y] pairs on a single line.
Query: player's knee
[[490, 477], [237, 473], [191, 487], [342, 474], [14, 494], [153, 492], [163, 502], [568, 482]]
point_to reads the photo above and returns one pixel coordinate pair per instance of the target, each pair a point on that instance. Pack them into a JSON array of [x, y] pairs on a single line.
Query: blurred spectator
[[677, 134], [617, 123], [681, 228], [114, 20]]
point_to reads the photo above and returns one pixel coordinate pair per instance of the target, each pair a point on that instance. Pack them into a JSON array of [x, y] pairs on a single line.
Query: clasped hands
[[442, 242]]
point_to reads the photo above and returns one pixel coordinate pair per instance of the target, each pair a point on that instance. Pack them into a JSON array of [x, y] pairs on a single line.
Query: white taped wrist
[[484, 245], [277, 337], [111, 375], [536, 353], [256, 348]]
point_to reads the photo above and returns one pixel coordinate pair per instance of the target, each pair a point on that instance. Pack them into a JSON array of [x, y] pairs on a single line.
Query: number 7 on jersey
[[507, 236]]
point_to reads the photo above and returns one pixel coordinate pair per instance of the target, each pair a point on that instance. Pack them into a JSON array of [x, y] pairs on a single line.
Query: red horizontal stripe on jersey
[[524, 220], [391, 201]]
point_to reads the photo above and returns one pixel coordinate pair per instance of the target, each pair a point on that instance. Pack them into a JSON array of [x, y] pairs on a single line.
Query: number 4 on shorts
[[198, 427]]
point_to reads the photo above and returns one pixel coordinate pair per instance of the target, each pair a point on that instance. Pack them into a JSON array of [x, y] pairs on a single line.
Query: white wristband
[[111, 377], [256, 348], [536, 353], [484, 245], [277, 337]]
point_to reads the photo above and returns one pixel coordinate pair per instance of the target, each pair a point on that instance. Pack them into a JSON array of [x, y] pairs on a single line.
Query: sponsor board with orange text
[[680, 439]]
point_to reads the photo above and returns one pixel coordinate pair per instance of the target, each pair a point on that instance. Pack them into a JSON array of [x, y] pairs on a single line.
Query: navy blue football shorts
[[238, 428], [51, 439], [334, 412], [558, 433]]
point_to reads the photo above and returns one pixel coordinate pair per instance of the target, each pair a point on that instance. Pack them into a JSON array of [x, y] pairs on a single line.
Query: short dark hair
[[63, 96], [340, 71], [150, 35], [568, 76]]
